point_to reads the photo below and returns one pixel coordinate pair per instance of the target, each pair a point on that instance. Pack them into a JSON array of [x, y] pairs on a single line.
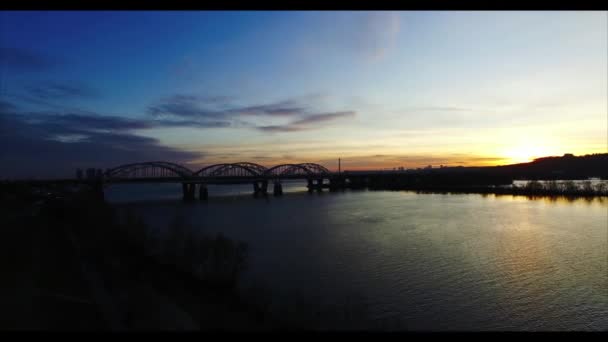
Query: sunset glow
[[376, 89]]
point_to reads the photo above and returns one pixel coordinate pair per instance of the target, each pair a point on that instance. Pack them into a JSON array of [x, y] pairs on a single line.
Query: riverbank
[[532, 188]]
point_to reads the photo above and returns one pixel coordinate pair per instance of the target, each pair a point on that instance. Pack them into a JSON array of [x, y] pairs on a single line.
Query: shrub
[[569, 187], [587, 187], [601, 188], [533, 186], [552, 186]]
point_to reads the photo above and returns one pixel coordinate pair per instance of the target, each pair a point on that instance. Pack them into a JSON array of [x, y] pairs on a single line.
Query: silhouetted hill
[[567, 166]]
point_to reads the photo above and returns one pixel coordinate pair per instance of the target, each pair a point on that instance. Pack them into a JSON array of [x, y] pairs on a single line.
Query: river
[[412, 261]]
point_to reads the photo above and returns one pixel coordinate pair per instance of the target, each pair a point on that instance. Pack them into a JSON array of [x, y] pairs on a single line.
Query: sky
[[375, 89]]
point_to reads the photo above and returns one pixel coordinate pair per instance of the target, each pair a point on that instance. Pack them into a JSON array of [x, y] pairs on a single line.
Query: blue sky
[[377, 89]]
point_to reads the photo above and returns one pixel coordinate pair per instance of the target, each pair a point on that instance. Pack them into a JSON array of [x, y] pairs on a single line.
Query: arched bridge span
[[290, 170], [231, 169], [154, 169], [224, 173], [168, 170]]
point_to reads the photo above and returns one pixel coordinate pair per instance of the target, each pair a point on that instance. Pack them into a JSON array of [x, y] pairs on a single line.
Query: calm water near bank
[[414, 261]]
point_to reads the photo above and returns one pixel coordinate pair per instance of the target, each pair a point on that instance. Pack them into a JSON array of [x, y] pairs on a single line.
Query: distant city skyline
[[377, 89]]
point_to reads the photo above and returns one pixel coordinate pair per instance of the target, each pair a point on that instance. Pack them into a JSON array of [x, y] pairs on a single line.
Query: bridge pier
[[278, 188], [320, 184], [310, 184], [264, 187], [203, 193], [256, 189], [260, 188], [188, 191]]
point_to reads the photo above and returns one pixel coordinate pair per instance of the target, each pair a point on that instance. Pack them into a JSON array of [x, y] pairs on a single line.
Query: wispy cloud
[[54, 145], [308, 122], [284, 108], [318, 118], [186, 106], [188, 123], [223, 111], [219, 107], [83, 123]]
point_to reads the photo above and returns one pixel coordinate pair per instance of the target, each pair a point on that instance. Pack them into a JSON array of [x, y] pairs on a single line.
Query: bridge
[[317, 176], [226, 173]]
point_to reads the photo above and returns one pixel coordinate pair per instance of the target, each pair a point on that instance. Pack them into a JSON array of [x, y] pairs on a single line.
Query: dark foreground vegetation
[[91, 269], [73, 262]]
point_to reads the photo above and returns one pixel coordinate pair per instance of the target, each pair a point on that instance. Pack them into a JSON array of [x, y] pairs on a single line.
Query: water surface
[[418, 261]]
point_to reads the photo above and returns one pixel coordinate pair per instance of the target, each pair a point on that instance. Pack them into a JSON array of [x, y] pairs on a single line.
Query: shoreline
[[530, 194]]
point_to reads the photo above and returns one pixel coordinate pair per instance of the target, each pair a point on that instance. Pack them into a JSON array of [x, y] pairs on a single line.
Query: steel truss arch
[[231, 169], [315, 168], [155, 168], [288, 170]]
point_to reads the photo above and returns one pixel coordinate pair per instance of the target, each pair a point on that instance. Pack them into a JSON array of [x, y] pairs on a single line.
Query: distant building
[[78, 173]]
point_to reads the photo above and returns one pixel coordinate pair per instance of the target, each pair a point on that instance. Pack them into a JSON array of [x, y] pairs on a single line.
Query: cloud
[[86, 123], [222, 111], [280, 128], [284, 108], [189, 123], [185, 106], [45, 145], [205, 112], [308, 122], [37, 157], [54, 90], [219, 107], [83, 123], [318, 118], [26, 60]]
